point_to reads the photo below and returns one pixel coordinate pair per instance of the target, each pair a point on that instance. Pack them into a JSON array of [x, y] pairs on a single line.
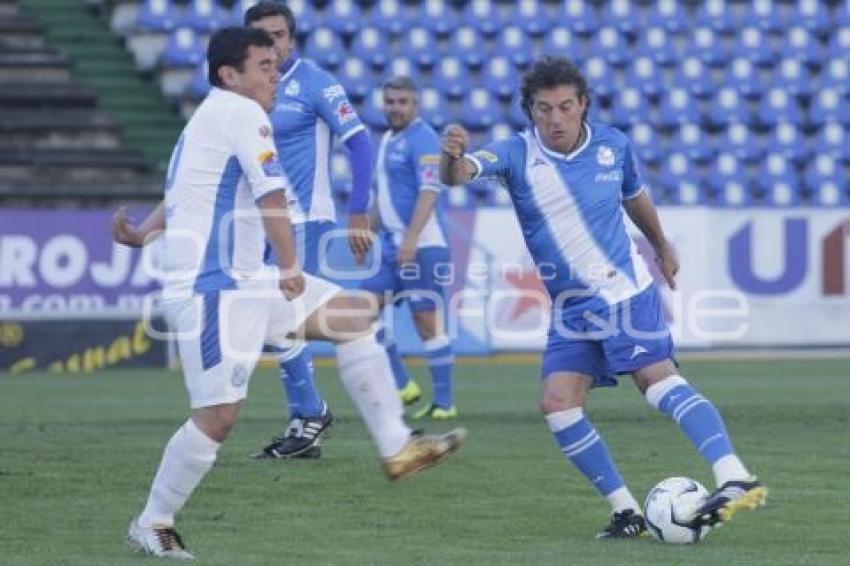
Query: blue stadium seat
[[479, 110], [355, 78], [835, 75], [740, 141], [755, 45], [624, 15], [824, 169], [644, 74], [199, 86], [681, 179], [646, 144], [402, 66], [792, 76], [372, 110], [728, 107], [778, 105], [669, 14], [766, 15], [370, 45], [628, 107], [734, 192], [433, 108], [609, 43], [238, 9], [691, 139], [184, 49], [833, 139], [325, 48], [812, 14], [841, 15], [418, 45], [839, 43], [725, 167], [205, 16], [468, 44], [680, 191], [306, 17], [516, 116], [438, 16], [581, 17], [783, 194], [677, 106], [799, 43], [717, 15], [828, 106], [562, 40], [340, 173], [600, 78], [500, 78], [788, 141], [531, 16], [744, 77], [516, 46], [484, 16], [777, 169], [655, 42], [158, 16], [389, 16], [693, 75], [707, 47], [830, 194], [500, 131], [450, 78], [343, 16]]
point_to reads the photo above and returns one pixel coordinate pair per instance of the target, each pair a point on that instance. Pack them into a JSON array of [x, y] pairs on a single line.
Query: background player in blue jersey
[[311, 107], [414, 251], [570, 180]]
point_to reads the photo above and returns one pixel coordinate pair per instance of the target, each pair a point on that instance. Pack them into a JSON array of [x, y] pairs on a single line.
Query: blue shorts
[[421, 283], [633, 335], [308, 237]]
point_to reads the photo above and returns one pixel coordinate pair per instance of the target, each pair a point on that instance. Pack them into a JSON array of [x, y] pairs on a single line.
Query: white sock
[[187, 458], [622, 499], [729, 468], [366, 374]]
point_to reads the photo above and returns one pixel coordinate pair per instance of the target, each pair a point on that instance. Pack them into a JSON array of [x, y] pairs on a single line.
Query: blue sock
[[399, 371], [698, 418], [441, 360], [296, 375], [580, 442]]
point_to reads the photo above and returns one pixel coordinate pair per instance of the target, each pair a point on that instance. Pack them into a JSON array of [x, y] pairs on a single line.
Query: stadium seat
[[199, 86], [389, 17], [500, 78], [693, 75], [500, 131], [434, 109], [450, 78], [828, 106], [581, 16], [467, 44], [646, 144], [813, 15], [325, 48], [707, 47], [725, 167], [841, 15], [516, 116], [562, 40], [355, 78], [438, 16], [744, 77], [600, 78], [184, 49], [830, 194], [238, 9], [418, 45], [669, 14], [792, 76], [611, 45], [839, 43], [681, 191], [370, 45], [691, 139], [755, 46], [513, 44], [158, 16], [776, 168], [734, 193], [372, 110], [479, 110], [531, 16], [835, 75], [484, 16], [676, 107], [655, 42], [824, 169], [624, 15], [778, 105], [766, 15], [728, 107], [343, 16], [782, 193], [205, 16], [643, 73], [742, 143], [717, 15], [833, 139], [628, 107], [787, 140], [340, 173], [402, 67], [306, 17], [799, 43]]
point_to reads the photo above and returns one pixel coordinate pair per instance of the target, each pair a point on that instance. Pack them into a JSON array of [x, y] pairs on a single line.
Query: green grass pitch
[[77, 454]]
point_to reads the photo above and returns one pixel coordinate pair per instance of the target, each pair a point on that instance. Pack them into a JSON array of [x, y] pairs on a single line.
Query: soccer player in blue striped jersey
[[570, 181], [413, 246], [311, 108]]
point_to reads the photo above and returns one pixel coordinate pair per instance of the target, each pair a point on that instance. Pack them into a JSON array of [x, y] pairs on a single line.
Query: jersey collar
[[407, 127], [571, 156], [288, 67]]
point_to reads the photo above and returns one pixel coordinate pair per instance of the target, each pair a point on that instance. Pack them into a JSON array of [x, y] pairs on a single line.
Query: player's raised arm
[[455, 169]]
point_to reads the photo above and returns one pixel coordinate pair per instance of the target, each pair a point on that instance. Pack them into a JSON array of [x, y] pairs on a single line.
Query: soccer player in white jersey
[[311, 108], [224, 197], [414, 251], [570, 181]]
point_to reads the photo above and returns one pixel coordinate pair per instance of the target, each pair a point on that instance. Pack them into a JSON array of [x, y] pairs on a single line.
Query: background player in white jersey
[[570, 181], [414, 251], [224, 197], [311, 108]]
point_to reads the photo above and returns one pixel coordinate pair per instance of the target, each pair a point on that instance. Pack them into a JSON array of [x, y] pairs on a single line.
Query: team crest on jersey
[[605, 156], [239, 377], [270, 164], [333, 92], [345, 113], [293, 88]]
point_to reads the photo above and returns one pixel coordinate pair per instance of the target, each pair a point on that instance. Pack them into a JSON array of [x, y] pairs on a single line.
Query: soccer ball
[[669, 504]]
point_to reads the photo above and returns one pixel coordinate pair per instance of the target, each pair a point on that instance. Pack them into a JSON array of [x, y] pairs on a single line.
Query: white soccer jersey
[[224, 161]]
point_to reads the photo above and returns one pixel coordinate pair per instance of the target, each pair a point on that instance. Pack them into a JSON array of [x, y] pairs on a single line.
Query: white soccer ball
[[668, 507]]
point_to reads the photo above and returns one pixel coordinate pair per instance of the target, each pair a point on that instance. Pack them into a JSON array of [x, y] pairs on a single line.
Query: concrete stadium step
[[60, 129], [59, 95], [34, 66]]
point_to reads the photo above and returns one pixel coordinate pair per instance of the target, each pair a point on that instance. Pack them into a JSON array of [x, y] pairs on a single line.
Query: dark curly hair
[[549, 72]]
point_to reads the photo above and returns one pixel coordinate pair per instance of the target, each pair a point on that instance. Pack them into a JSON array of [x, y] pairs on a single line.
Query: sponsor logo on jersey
[[239, 377], [615, 176], [605, 156], [430, 159], [486, 155], [333, 92], [345, 113], [291, 107], [293, 88], [269, 163], [429, 174], [265, 131]]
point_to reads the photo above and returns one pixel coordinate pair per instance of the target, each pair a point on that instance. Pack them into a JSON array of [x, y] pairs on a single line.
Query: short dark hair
[[229, 46], [401, 82], [268, 9], [550, 72]]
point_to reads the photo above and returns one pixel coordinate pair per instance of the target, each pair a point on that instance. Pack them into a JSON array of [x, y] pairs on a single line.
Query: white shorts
[[220, 335]]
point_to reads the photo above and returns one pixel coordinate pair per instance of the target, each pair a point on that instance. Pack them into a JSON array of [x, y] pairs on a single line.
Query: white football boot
[[158, 541]]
